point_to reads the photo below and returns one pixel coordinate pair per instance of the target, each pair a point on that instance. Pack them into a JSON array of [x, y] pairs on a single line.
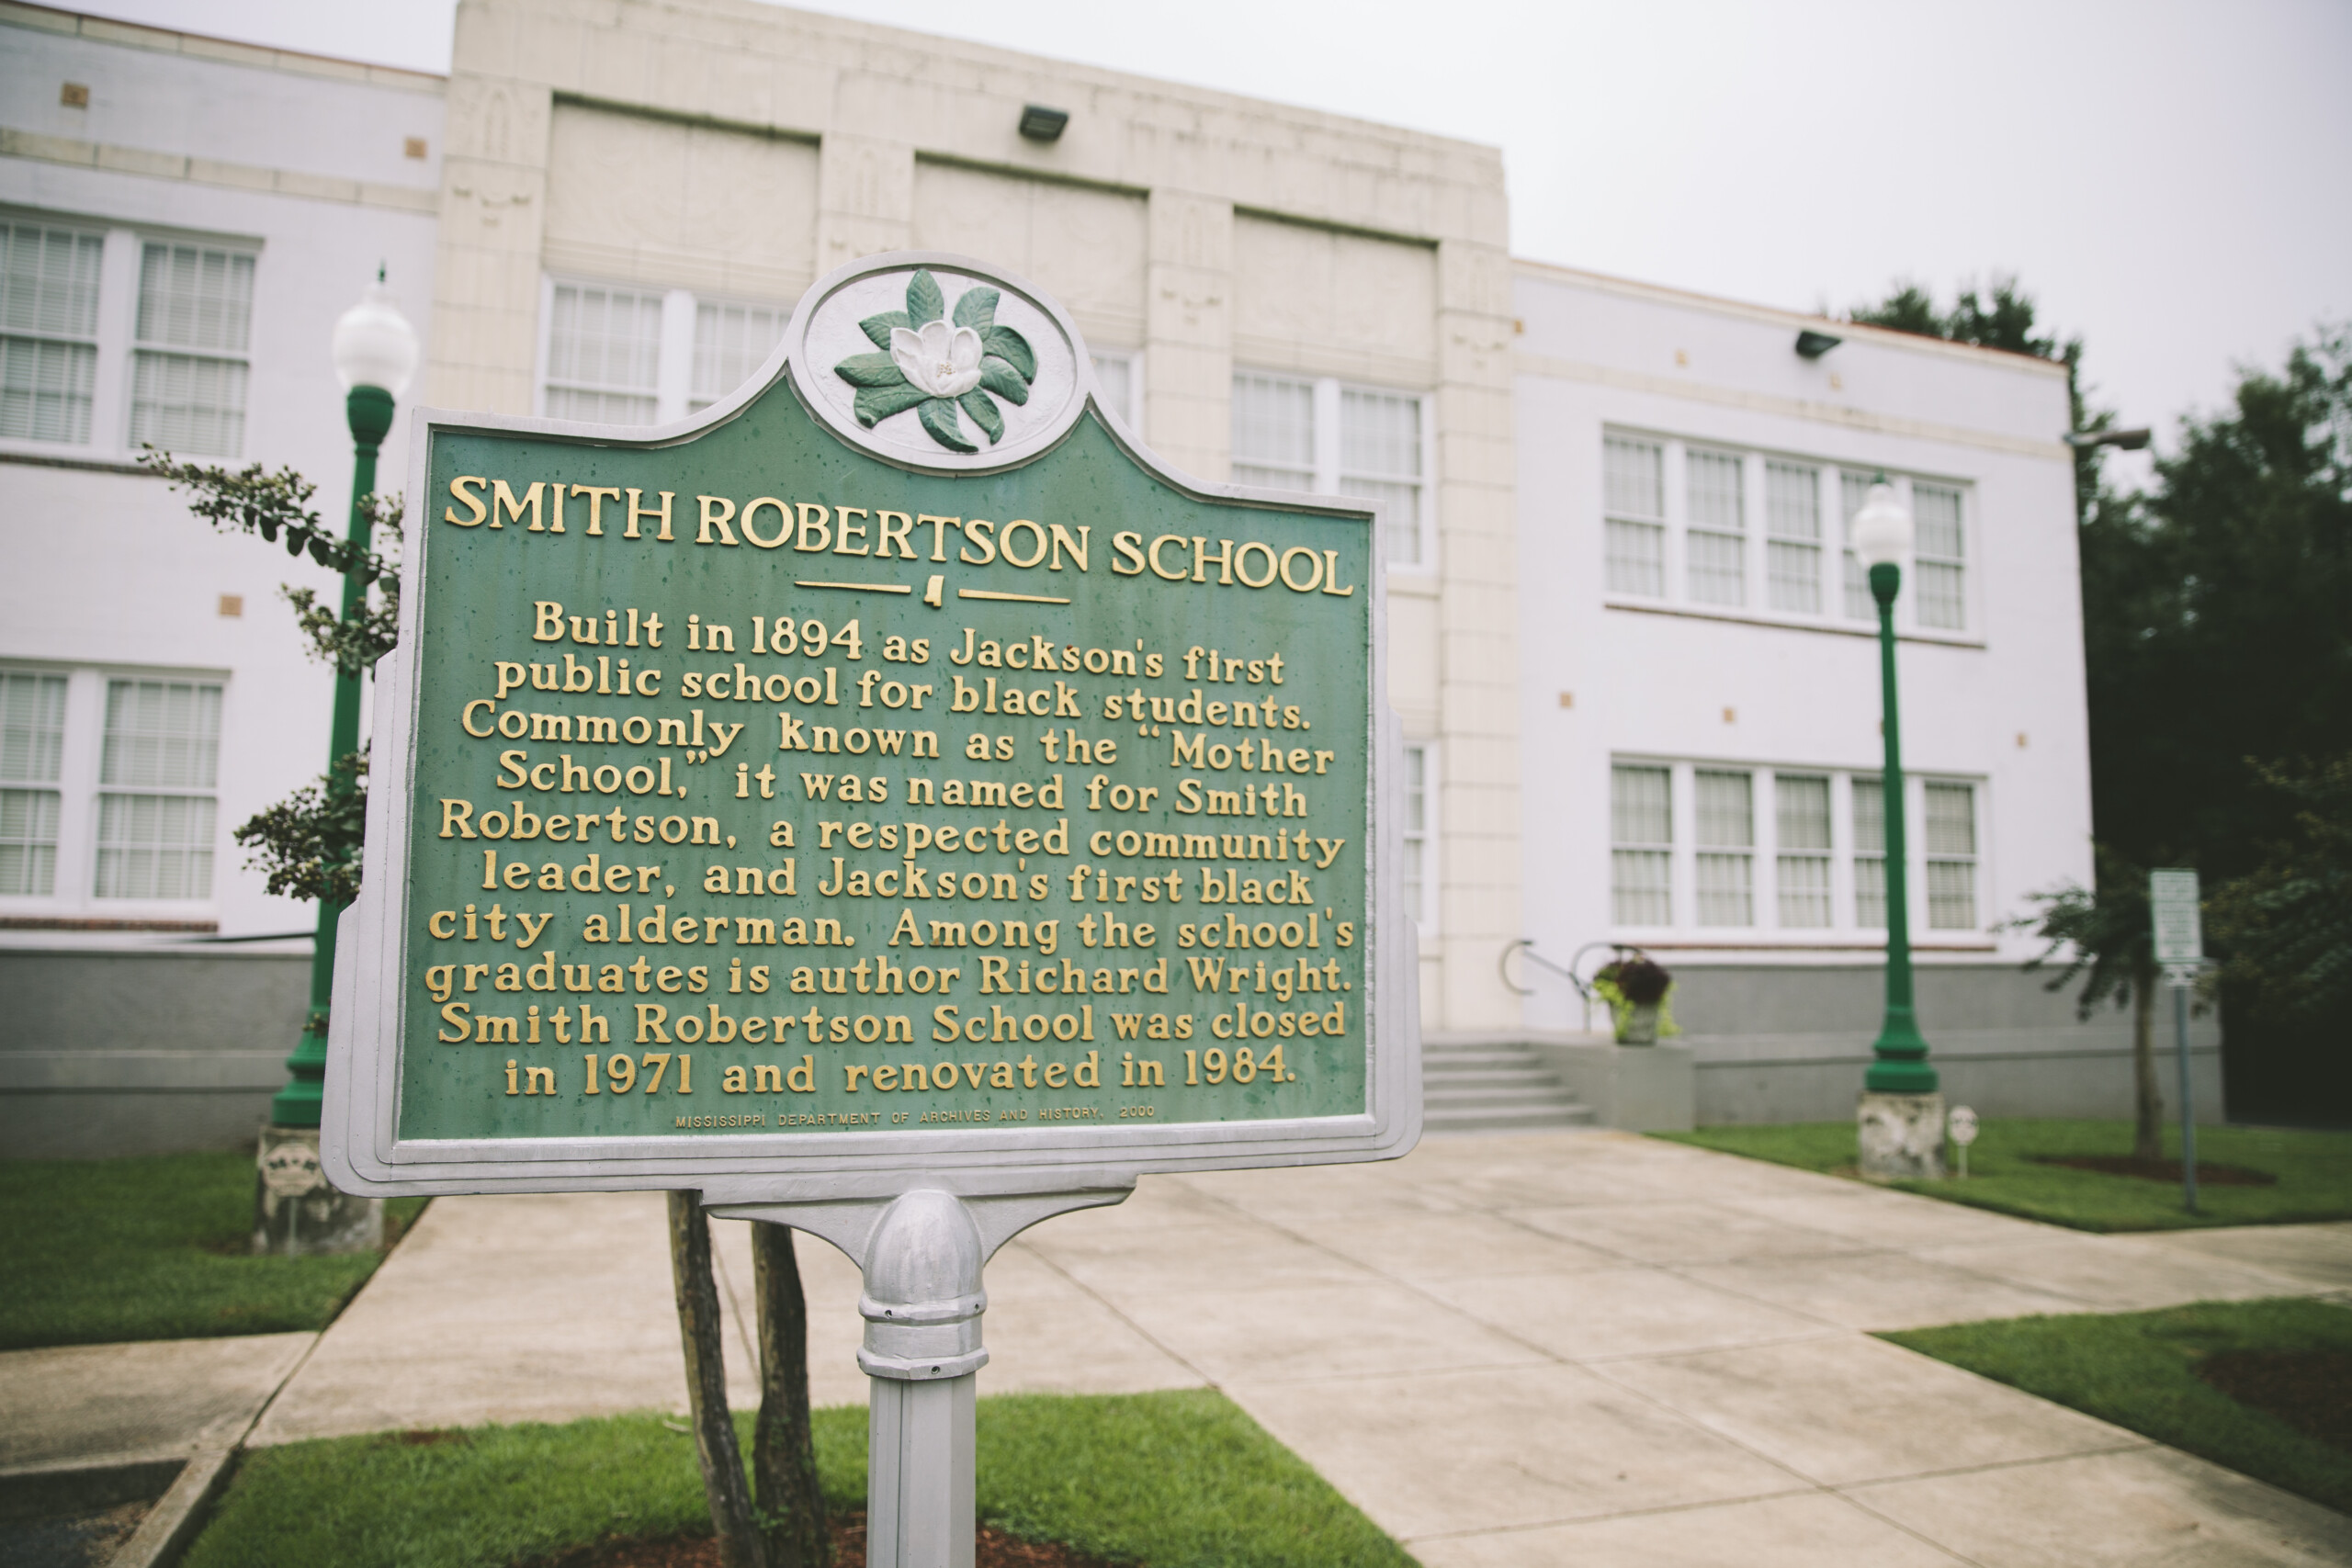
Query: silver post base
[[919, 1489]]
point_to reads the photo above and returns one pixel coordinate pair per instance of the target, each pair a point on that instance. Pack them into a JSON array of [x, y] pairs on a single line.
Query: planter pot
[[1640, 1027]]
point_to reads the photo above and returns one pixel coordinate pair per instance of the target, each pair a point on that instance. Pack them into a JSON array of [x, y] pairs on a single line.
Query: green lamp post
[[375, 354], [1901, 1121]]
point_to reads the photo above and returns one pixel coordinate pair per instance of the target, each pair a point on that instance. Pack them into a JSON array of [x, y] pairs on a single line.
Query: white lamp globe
[[373, 345], [1881, 528]]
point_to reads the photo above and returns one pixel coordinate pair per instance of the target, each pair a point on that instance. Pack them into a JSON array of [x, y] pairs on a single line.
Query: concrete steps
[[1493, 1088]]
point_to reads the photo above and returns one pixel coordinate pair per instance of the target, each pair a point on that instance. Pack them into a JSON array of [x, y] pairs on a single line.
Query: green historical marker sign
[[894, 768]]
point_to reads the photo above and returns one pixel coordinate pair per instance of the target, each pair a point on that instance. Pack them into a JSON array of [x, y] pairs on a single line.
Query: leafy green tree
[[2288, 924]]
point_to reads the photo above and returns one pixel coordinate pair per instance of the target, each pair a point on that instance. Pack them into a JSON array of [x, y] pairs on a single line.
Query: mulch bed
[[2309, 1390], [2167, 1170], [997, 1550]]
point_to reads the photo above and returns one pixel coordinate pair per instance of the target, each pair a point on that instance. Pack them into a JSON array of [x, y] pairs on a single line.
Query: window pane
[[1870, 893], [1416, 828], [1274, 425], [1115, 374], [1633, 478], [194, 298], [1727, 814], [1792, 577], [1716, 491], [154, 846], [1936, 509], [1941, 591], [1274, 479], [1725, 898], [1641, 812], [1870, 817], [1853, 490], [1951, 818], [1640, 895], [183, 403], [1803, 813], [45, 389], [1636, 561], [1400, 516], [730, 342], [1718, 575], [603, 354], [28, 841], [1805, 891], [1793, 500], [32, 726], [1641, 806], [49, 280], [1951, 894], [162, 734], [1380, 435]]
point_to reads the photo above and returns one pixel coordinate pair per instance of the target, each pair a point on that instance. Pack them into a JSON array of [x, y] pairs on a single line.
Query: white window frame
[[79, 785], [1326, 471], [673, 394], [122, 246], [1756, 538], [1427, 836], [1765, 928]]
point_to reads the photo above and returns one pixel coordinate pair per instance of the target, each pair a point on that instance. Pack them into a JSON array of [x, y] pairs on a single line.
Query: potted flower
[[1636, 988]]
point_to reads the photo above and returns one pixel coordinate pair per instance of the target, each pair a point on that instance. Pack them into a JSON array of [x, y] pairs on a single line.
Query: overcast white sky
[[2168, 180]]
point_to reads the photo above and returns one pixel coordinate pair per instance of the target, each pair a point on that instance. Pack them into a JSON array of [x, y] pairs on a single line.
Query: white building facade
[[181, 222], [1637, 698]]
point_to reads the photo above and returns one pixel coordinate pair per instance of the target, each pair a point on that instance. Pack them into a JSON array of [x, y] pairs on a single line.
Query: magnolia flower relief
[[935, 365]]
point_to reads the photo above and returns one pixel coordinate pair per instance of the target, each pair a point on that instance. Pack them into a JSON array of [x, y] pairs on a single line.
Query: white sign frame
[[360, 1146]]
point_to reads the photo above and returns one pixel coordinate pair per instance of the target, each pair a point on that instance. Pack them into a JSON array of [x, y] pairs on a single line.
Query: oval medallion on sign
[[933, 362]]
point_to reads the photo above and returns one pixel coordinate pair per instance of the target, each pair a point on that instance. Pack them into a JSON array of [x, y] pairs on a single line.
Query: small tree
[[308, 844], [2110, 945]]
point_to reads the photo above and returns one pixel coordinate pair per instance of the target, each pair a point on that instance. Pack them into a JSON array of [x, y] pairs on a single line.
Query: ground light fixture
[[1882, 537]]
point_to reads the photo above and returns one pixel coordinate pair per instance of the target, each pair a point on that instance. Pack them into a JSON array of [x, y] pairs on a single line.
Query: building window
[[1869, 853], [1273, 432], [1319, 436], [1952, 856], [161, 761], [188, 371], [1801, 869], [1937, 556], [1726, 840], [1120, 375], [730, 342], [1853, 491], [1420, 878], [1641, 830], [1634, 503], [1717, 541], [49, 328], [1380, 459], [1792, 542], [33, 751], [603, 354]]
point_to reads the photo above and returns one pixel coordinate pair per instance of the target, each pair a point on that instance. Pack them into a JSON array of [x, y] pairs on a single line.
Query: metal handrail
[[1526, 945]]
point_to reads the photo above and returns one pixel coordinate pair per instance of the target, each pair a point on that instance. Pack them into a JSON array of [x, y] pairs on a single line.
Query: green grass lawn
[[2314, 1171], [153, 1247], [2138, 1369], [1184, 1478]]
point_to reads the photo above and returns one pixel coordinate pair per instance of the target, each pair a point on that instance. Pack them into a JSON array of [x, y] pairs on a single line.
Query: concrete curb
[[172, 1522]]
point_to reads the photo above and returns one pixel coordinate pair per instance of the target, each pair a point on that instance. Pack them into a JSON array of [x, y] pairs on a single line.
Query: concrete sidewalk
[[1535, 1348]]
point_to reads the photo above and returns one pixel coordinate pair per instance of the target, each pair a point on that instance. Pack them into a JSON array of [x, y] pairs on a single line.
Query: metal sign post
[[2181, 950], [890, 803]]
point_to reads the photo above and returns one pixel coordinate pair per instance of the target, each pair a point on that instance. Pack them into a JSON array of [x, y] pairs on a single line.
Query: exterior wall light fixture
[[1039, 123]]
